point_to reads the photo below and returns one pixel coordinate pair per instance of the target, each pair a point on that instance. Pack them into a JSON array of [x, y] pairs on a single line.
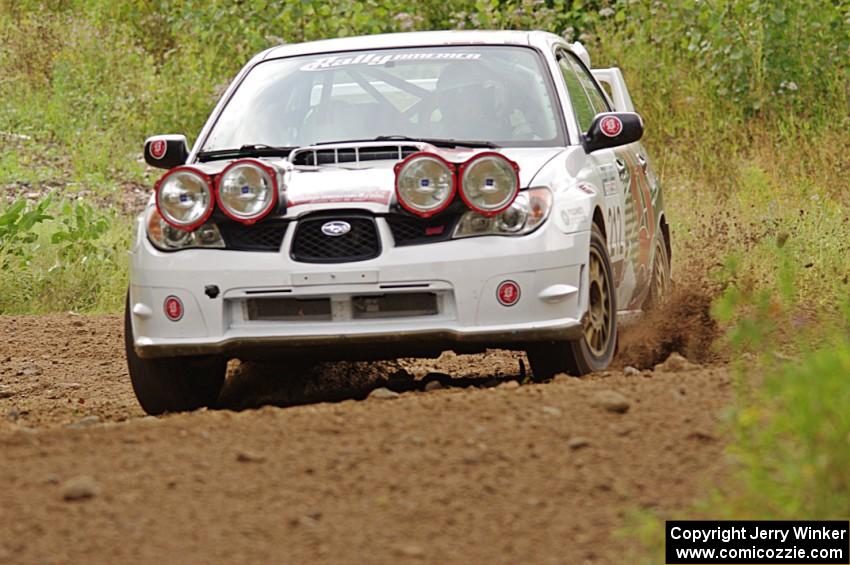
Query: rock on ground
[[86, 422], [249, 457], [383, 393], [433, 385], [578, 443], [80, 488], [612, 401], [675, 363]]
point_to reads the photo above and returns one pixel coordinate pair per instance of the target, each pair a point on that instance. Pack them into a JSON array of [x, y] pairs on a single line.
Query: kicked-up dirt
[[302, 465]]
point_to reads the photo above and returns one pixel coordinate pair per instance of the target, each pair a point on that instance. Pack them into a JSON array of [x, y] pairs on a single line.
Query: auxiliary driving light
[[424, 184], [489, 183], [247, 190], [184, 198]]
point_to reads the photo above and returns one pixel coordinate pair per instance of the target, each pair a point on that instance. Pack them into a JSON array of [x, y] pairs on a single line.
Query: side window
[[584, 94], [581, 103]]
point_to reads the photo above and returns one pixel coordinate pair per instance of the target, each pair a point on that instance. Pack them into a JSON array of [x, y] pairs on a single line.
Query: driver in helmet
[[466, 104]]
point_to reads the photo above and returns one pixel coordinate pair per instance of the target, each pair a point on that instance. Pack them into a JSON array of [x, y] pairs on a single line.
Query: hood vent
[[355, 153]]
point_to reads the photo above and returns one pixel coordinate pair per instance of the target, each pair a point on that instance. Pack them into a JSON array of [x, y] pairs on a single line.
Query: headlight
[[424, 184], [489, 182], [247, 191], [184, 198], [529, 209], [166, 237]]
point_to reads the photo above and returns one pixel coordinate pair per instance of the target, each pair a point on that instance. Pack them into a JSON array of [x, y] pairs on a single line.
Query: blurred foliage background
[[91, 74], [747, 104]]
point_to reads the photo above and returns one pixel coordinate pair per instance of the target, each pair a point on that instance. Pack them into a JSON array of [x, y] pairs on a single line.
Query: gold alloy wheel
[[597, 326]]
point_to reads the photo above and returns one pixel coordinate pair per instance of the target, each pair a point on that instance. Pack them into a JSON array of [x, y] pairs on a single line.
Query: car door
[[640, 217], [612, 173]]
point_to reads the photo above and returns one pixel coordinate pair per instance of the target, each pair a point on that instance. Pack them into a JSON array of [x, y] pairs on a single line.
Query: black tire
[[660, 284], [595, 349], [172, 384]]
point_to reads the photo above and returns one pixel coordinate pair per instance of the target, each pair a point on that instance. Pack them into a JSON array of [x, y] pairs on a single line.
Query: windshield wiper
[[436, 141], [258, 150], [440, 142]]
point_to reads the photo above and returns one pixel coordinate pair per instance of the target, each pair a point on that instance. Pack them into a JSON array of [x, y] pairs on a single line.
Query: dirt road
[[481, 470]]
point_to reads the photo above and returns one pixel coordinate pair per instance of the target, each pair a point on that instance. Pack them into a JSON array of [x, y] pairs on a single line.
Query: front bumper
[[462, 275]]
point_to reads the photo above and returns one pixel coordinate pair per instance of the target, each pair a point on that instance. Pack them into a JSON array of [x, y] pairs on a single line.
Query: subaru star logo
[[336, 229]]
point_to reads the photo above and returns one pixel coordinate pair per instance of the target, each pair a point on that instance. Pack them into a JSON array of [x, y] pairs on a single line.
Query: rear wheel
[[659, 287], [595, 349], [173, 384]]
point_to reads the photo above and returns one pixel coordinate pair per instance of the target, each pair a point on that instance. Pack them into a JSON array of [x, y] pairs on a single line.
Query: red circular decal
[[508, 293], [158, 148], [173, 308], [611, 126]]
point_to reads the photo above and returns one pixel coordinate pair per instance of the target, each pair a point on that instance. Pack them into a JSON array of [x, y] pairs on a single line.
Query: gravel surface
[[305, 465]]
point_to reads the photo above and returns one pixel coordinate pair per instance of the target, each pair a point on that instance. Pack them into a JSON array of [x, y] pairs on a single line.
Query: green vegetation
[[747, 104], [747, 101], [61, 256], [790, 426], [792, 433]]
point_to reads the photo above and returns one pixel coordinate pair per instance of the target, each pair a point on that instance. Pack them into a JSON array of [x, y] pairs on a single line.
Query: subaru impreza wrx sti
[[396, 196]]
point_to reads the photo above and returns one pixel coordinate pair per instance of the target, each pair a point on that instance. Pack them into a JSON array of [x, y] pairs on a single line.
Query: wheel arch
[[664, 229], [599, 221]]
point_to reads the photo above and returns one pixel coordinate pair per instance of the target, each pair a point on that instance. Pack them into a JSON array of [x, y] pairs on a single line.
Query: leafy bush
[[17, 230], [61, 256]]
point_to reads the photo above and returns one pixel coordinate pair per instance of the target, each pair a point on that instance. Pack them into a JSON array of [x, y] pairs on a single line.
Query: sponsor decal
[[374, 59], [158, 148], [173, 308], [586, 188], [336, 228], [610, 179], [337, 196], [611, 126], [508, 293], [572, 217]]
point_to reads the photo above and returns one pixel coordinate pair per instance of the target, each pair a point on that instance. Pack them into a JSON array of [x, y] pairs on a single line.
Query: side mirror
[[612, 129], [166, 151]]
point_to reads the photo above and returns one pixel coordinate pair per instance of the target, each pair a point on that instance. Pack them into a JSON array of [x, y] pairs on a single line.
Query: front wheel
[[174, 384], [595, 349]]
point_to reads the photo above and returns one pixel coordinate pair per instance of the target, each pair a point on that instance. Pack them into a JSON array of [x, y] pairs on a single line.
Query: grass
[[746, 105]]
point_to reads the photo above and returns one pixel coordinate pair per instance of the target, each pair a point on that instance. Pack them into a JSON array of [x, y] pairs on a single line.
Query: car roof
[[539, 39]]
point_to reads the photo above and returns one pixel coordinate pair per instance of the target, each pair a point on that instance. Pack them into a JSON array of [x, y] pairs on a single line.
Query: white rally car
[[391, 196]]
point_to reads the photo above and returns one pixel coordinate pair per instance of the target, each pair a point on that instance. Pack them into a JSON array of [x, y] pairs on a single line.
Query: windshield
[[490, 93]]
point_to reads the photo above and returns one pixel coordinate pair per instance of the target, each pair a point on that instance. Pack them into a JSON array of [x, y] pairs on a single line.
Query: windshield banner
[[374, 59]]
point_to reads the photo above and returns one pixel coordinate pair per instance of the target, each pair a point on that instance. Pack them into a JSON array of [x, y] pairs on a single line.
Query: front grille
[[311, 245], [410, 230], [256, 237]]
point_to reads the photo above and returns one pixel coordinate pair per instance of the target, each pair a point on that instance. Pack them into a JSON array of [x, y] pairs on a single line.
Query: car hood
[[370, 185]]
